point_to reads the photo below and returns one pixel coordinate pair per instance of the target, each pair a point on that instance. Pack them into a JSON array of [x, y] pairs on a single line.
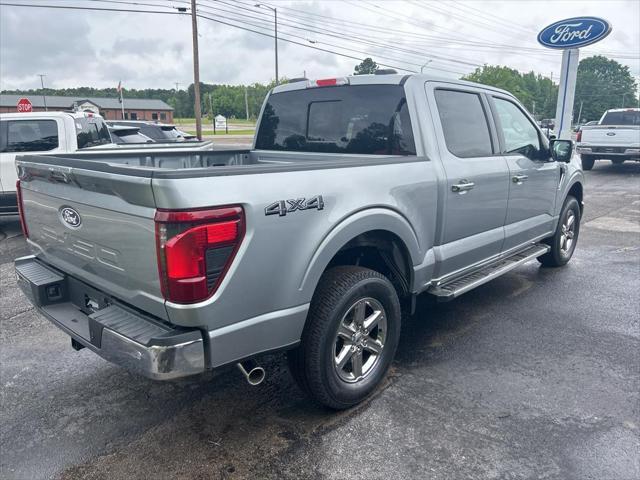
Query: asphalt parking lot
[[535, 375]]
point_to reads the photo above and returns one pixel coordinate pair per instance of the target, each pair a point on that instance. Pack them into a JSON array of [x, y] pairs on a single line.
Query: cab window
[[30, 136], [520, 135]]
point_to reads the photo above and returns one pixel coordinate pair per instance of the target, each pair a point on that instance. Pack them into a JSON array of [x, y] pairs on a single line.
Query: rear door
[[477, 177], [534, 175]]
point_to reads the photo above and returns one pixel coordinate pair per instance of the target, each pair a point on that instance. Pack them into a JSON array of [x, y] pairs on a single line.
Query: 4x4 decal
[[282, 207]]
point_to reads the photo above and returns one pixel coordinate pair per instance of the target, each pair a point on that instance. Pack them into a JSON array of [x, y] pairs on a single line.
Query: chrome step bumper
[[112, 330], [455, 288]]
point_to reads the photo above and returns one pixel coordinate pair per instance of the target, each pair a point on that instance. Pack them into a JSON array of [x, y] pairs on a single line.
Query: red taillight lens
[[23, 222], [579, 136], [195, 250]]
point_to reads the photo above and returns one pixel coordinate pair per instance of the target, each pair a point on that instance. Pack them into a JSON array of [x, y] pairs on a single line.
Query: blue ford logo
[[70, 217], [574, 32]]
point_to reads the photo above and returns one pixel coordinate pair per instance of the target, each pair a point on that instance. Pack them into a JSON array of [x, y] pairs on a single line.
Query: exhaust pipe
[[253, 372]]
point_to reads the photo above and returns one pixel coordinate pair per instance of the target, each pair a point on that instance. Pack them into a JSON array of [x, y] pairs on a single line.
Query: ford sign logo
[[70, 217], [574, 32]]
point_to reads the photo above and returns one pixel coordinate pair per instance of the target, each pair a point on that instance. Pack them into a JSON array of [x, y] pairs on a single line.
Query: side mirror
[[561, 150]]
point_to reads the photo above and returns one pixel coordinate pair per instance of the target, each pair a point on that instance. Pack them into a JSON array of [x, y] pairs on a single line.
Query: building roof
[[58, 101]]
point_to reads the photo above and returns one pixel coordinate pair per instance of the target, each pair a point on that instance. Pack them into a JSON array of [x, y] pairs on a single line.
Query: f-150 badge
[[282, 207]]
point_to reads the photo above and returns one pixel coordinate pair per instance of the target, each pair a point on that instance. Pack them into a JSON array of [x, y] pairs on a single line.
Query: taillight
[[327, 82], [579, 136], [195, 249], [23, 222]]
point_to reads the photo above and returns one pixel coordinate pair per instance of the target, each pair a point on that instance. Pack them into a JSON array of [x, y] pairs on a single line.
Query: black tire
[[559, 256], [587, 161], [312, 363]]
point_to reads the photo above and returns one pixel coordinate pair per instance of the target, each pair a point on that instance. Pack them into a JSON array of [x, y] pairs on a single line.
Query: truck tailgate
[[611, 135], [95, 226]]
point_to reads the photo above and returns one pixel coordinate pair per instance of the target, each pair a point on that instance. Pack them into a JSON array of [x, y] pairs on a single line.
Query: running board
[[455, 288]]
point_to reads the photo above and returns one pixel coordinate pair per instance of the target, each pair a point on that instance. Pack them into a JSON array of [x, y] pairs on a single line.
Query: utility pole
[[213, 117], [275, 22], [44, 96], [623, 95], [580, 112], [246, 102], [534, 109], [177, 85], [196, 70]]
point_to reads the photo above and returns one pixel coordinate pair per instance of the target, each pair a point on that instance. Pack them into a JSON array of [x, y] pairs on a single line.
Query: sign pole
[[566, 92]]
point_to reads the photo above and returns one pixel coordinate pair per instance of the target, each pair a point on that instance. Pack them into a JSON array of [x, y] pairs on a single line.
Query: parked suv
[[359, 194], [158, 132]]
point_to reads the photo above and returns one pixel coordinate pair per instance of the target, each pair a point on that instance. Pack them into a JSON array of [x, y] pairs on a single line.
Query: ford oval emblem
[[611, 134], [574, 32], [70, 217]]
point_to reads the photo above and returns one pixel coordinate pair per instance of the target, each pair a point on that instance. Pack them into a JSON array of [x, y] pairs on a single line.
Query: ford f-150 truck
[[616, 137], [359, 194]]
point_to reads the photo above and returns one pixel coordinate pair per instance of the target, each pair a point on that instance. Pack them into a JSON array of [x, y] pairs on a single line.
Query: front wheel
[[588, 161], [350, 338], [563, 243]]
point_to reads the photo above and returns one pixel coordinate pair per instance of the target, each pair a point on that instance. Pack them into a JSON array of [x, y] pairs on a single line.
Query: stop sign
[[24, 105]]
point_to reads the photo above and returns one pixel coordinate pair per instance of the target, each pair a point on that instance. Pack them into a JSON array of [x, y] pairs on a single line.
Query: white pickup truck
[[42, 132], [616, 137]]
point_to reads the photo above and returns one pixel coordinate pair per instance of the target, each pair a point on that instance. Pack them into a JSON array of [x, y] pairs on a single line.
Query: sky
[[147, 50]]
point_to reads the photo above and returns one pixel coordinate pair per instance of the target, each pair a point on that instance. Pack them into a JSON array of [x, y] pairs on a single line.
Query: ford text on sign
[[574, 32], [24, 105]]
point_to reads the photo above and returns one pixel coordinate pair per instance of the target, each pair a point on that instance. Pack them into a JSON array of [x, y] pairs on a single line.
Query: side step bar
[[454, 288]]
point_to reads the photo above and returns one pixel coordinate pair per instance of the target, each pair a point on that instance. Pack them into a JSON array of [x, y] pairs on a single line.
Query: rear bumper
[[8, 204], [114, 331], [608, 151]]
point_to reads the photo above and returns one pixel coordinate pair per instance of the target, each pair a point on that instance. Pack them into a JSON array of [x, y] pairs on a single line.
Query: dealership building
[[109, 108]]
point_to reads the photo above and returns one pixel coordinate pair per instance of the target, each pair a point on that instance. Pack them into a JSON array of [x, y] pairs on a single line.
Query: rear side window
[[91, 131], [359, 119], [464, 123], [31, 136], [621, 118]]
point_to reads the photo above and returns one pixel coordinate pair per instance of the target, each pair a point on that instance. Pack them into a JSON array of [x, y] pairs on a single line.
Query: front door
[[477, 179], [534, 176]]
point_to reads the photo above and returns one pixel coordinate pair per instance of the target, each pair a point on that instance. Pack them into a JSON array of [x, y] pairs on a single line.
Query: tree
[[537, 94], [366, 67], [602, 84]]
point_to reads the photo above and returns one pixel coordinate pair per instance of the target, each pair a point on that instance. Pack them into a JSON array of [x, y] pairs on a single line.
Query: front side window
[[520, 136], [464, 123], [31, 136], [355, 119]]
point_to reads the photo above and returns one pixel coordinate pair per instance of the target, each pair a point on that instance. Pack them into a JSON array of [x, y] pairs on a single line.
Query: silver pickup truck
[[359, 194]]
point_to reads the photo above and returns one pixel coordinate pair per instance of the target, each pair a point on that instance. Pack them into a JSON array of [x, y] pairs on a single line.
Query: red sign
[[24, 105]]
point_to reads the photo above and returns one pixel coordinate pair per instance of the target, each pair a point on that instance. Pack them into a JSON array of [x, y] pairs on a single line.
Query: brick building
[[109, 108]]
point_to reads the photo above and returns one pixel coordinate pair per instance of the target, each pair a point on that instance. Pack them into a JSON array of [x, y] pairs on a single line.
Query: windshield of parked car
[[360, 119], [630, 117], [91, 131]]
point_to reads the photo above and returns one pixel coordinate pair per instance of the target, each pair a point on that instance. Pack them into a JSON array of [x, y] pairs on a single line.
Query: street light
[[275, 15], [424, 66]]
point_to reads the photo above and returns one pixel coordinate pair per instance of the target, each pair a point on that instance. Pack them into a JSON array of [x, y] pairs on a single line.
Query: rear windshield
[[91, 131], [130, 136], [361, 119], [621, 118]]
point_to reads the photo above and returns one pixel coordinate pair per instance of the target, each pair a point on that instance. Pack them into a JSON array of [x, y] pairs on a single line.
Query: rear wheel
[[563, 243], [587, 161], [350, 338]]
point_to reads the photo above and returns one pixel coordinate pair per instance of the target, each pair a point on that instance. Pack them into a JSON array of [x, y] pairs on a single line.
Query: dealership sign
[[574, 32]]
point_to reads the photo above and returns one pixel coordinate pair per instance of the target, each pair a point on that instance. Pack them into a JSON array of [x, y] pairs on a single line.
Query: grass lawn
[[192, 121], [222, 132]]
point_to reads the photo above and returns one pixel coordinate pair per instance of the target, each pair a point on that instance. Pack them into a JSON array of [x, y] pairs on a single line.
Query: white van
[[42, 132]]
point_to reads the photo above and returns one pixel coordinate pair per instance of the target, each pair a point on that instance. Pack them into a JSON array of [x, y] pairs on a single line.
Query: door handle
[[463, 186], [519, 179]]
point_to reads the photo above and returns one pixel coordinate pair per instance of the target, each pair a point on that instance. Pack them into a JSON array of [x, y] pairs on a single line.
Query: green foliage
[[537, 94], [366, 67], [602, 84]]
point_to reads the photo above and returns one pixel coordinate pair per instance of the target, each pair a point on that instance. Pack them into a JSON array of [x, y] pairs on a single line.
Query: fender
[[379, 218]]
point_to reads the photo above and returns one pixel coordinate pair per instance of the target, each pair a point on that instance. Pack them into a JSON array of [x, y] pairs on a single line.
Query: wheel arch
[[577, 191], [380, 239]]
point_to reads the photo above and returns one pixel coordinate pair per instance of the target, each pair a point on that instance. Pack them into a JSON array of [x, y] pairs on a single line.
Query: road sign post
[[24, 105]]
